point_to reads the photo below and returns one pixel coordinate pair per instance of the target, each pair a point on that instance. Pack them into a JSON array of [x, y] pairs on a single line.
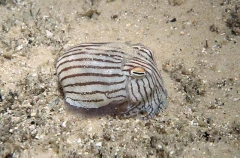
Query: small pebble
[[173, 20], [33, 114], [49, 34], [182, 33], [64, 124], [99, 144]]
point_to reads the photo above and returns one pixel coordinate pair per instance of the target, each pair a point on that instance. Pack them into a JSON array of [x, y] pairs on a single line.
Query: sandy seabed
[[196, 46]]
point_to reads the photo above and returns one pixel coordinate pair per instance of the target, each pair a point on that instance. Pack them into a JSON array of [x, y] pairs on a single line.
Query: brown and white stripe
[[94, 75]]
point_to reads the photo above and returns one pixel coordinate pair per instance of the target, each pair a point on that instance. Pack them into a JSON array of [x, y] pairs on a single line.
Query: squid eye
[[138, 72]]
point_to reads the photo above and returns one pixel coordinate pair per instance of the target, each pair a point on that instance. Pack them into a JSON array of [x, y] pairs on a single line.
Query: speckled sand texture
[[196, 45]]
